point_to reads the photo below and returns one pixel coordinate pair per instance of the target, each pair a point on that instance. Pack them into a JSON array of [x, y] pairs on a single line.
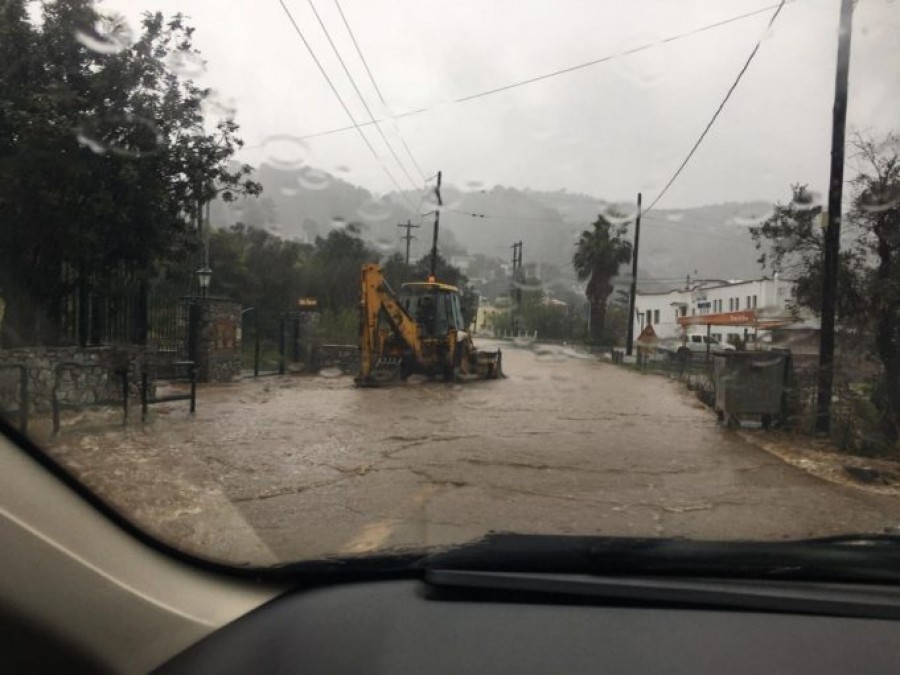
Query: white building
[[744, 304]]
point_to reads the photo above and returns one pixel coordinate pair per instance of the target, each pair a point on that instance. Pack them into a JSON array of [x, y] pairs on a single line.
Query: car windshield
[[302, 279]]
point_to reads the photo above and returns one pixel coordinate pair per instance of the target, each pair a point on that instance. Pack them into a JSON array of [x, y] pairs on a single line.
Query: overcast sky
[[609, 130]]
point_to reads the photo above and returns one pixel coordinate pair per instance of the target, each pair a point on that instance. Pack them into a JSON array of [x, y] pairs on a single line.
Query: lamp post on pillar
[[204, 276]]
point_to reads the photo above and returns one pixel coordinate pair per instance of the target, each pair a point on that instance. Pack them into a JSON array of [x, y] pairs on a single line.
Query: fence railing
[[21, 408], [59, 403]]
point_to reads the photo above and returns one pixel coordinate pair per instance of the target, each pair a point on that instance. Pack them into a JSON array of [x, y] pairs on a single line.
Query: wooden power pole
[[437, 224], [833, 229], [634, 273], [408, 236]]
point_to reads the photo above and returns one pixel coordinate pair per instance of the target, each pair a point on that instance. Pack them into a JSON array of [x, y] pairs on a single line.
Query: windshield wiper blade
[[768, 596], [843, 559]]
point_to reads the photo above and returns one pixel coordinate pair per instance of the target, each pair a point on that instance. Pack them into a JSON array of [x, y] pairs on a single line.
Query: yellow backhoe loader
[[418, 331]]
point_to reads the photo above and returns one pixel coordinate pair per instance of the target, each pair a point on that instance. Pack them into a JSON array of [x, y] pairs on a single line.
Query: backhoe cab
[[418, 331]]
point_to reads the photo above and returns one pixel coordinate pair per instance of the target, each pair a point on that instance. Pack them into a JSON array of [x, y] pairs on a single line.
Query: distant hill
[[712, 240]]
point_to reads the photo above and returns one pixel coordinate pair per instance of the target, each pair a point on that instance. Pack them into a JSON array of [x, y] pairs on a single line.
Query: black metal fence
[[18, 406]]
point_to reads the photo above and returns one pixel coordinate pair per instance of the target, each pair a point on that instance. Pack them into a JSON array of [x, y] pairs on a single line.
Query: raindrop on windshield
[[127, 136], [876, 201], [285, 152], [374, 209], [186, 63], [641, 59], [474, 184], [675, 217], [806, 201], [110, 34], [313, 179], [216, 105], [529, 286], [385, 244], [289, 191], [750, 217], [618, 216]]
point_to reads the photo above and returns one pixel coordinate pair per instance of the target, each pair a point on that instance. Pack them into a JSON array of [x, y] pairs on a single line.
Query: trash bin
[[750, 383]]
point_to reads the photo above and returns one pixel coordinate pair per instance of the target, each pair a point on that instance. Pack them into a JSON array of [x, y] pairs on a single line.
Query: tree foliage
[[599, 253], [868, 297], [792, 242], [876, 214], [103, 153]]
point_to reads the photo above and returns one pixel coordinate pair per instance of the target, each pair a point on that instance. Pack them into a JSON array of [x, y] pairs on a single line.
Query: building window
[[754, 302], [737, 304], [747, 306], [730, 304], [684, 311], [656, 316]]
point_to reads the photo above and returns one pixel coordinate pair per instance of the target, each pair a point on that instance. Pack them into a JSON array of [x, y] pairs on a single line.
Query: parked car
[[694, 343]]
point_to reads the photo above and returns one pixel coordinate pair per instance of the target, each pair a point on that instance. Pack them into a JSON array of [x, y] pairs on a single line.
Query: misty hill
[[709, 241]]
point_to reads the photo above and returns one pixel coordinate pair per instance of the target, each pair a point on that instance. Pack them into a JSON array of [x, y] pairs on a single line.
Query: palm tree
[[597, 258]]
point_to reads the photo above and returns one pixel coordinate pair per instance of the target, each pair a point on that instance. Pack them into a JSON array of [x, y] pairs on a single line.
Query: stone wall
[[97, 380], [344, 357], [219, 343]]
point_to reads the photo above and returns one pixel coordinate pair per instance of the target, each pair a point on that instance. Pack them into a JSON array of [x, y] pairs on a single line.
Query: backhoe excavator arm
[[376, 297]]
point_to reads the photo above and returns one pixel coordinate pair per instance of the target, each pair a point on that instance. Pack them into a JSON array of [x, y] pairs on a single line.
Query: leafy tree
[[258, 269], [876, 213], [598, 255], [104, 160], [868, 297], [332, 274], [792, 243]]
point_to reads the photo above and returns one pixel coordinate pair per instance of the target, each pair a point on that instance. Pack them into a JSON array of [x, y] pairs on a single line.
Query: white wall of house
[[769, 297]]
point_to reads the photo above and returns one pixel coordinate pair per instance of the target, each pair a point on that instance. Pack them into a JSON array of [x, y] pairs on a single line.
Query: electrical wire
[[570, 69], [341, 100], [362, 99], [718, 110], [375, 85]]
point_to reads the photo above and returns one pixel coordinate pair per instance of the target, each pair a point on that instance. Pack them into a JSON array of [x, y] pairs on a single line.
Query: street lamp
[[204, 275]]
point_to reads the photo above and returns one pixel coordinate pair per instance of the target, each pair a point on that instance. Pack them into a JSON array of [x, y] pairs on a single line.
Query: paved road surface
[[297, 467]]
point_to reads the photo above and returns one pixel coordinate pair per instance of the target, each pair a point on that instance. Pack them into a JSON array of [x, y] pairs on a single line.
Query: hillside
[[709, 241]]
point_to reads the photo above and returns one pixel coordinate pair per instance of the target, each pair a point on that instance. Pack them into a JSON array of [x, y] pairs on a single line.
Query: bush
[[338, 327]]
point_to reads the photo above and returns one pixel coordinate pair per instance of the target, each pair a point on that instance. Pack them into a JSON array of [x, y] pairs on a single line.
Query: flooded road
[[294, 467]]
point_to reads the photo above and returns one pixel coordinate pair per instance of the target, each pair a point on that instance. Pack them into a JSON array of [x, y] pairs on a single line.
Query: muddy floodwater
[[297, 467]]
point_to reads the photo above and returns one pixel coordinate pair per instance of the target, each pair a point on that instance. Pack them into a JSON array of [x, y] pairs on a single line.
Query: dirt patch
[[823, 459]]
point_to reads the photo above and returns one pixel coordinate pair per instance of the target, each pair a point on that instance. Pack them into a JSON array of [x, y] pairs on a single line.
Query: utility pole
[[408, 236], [634, 272], [833, 228], [437, 224], [516, 283]]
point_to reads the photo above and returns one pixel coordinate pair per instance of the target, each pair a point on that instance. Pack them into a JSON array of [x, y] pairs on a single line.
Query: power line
[[359, 94], [718, 110], [375, 84], [564, 71], [340, 98]]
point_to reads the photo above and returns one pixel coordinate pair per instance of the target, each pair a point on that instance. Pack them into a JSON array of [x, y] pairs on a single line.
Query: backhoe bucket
[[489, 365]]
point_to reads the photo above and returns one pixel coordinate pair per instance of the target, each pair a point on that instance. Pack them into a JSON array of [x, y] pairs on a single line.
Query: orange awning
[[748, 318]]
